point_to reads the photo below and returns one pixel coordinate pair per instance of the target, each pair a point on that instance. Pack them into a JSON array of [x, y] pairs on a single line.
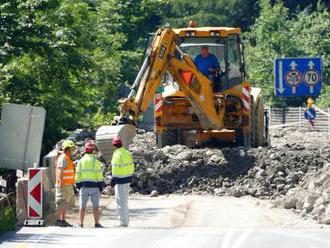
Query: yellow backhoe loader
[[193, 108]]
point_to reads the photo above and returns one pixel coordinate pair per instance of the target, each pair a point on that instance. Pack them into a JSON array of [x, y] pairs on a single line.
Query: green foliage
[[99, 119], [211, 12], [70, 57], [276, 34], [7, 220]]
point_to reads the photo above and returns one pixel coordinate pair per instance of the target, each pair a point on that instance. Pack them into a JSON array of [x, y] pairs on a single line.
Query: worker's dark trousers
[[121, 194]]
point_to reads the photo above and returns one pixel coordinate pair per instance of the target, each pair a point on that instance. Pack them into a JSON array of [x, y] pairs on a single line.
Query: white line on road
[[242, 238], [227, 238], [35, 238]]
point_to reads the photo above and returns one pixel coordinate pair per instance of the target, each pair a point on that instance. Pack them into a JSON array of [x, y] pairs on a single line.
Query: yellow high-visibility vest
[[122, 163], [89, 170]]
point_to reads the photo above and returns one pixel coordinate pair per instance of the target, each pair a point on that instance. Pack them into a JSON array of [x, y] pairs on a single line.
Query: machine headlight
[[214, 33]]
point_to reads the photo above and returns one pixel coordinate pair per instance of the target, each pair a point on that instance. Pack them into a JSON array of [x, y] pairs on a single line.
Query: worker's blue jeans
[[121, 194]]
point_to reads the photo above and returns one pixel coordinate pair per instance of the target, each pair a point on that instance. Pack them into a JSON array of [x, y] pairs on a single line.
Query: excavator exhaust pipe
[[105, 135]]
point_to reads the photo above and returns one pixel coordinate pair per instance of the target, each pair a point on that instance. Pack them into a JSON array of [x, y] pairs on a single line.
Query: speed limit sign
[[311, 77]]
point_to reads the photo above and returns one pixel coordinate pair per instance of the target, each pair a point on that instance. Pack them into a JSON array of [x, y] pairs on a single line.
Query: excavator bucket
[[105, 135]]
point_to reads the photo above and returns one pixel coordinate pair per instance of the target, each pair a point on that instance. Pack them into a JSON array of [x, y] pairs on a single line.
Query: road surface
[[185, 221]]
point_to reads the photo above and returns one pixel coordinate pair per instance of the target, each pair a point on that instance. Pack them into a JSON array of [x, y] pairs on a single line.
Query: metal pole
[[328, 119], [269, 115], [283, 111], [299, 117]]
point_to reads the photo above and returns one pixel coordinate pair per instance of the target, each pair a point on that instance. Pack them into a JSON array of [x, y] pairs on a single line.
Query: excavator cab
[[228, 53], [244, 121]]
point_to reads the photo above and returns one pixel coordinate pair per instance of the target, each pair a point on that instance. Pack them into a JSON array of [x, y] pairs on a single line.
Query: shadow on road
[[136, 213]]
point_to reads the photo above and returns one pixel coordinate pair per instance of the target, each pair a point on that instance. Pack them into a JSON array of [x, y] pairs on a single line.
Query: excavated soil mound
[[264, 172]]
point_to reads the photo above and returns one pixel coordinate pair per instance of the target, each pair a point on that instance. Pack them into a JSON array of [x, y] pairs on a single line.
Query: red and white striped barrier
[[246, 97], [34, 194], [158, 102], [34, 207]]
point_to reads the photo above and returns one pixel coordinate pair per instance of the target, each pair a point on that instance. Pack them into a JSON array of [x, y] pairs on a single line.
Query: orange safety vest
[[68, 173]]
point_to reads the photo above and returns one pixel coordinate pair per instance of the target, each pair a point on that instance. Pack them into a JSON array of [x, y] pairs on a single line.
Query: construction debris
[[312, 197], [264, 172], [291, 171]]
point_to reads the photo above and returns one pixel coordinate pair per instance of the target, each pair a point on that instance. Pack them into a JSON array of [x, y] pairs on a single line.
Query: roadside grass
[[7, 220]]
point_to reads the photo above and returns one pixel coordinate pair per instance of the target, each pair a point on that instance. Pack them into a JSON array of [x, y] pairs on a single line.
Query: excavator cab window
[[234, 62], [216, 46], [227, 51], [192, 47]]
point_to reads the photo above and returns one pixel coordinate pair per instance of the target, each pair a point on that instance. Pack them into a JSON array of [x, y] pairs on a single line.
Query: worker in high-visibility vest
[[90, 182], [122, 168], [64, 195], [310, 113]]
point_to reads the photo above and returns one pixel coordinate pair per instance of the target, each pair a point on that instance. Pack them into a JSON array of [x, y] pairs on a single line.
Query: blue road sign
[[298, 76], [310, 114]]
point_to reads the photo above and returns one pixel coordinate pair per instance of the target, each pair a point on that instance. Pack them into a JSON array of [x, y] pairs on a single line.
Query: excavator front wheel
[[167, 138]]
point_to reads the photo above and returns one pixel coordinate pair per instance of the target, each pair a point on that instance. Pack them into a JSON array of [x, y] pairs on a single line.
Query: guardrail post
[[299, 117], [269, 116], [283, 115], [328, 120]]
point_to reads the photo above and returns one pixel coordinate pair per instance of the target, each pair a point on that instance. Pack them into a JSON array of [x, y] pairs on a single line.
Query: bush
[[7, 220]]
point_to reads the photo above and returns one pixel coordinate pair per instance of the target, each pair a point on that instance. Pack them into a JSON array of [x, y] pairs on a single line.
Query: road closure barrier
[[35, 199]]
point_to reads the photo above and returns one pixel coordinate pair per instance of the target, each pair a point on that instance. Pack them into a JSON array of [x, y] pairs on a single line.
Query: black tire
[[168, 138], [243, 140], [239, 141]]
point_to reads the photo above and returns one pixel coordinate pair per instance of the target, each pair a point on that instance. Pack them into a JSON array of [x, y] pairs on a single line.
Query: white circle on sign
[[293, 77], [311, 77]]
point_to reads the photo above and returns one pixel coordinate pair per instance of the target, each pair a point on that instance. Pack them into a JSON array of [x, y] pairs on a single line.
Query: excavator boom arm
[[162, 56]]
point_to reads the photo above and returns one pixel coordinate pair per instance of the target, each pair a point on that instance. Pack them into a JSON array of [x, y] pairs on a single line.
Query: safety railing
[[294, 117]]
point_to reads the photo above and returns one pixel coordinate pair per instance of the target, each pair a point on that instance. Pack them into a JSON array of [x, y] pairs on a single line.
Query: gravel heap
[[294, 170], [264, 172], [312, 197]]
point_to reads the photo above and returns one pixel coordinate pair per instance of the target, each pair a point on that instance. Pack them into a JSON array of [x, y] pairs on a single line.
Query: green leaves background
[[71, 56]]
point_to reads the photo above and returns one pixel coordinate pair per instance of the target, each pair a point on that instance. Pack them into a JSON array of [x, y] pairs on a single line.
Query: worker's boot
[[98, 225], [66, 224], [60, 223]]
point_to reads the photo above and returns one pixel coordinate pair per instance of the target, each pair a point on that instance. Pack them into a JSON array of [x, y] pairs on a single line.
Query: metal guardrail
[[294, 117]]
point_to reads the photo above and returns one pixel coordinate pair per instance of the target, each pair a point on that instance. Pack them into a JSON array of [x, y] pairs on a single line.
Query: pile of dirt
[[264, 172], [293, 170], [312, 197]]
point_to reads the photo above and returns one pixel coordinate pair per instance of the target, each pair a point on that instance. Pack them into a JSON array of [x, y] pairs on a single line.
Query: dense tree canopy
[[71, 56]]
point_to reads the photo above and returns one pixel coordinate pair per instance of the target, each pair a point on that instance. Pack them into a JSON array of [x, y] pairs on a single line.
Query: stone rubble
[[312, 197], [263, 172], [292, 171]]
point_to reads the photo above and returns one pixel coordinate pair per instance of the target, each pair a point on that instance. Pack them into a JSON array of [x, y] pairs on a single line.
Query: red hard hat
[[89, 147], [117, 141], [191, 24]]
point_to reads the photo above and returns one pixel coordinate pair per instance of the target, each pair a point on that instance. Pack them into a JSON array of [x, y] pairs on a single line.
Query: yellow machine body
[[194, 110]]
